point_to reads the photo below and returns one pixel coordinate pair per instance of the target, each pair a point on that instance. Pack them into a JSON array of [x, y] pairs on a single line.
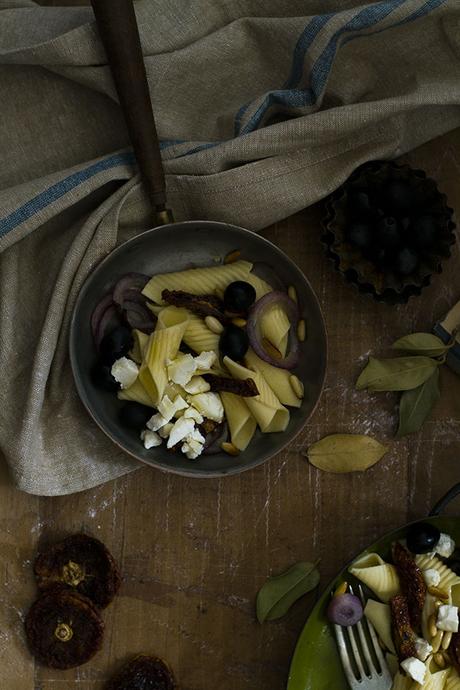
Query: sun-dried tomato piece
[[202, 305], [83, 563], [64, 629], [246, 388], [403, 635], [143, 673], [413, 585], [454, 650]]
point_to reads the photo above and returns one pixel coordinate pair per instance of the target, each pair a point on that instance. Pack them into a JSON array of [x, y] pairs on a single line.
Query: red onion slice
[[138, 316], [130, 281], [109, 321], [214, 439], [252, 328], [98, 312]]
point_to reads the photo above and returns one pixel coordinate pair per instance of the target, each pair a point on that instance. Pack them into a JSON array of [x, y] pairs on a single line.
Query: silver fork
[[359, 664]]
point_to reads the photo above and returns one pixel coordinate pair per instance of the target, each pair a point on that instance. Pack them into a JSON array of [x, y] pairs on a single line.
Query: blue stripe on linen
[[365, 19], [304, 42], [58, 190]]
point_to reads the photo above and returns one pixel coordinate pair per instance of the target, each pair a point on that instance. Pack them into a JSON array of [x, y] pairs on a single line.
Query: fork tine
[[375, 643], [343, 651], [357, 655]]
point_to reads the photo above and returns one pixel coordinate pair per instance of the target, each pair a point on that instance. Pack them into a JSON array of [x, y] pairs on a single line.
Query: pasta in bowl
[[192, 360]]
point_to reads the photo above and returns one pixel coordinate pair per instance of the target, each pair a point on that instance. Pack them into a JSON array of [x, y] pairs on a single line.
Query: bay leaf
[[416, 405], [398, 374], [277, 595], [422, 344], [342, 453]]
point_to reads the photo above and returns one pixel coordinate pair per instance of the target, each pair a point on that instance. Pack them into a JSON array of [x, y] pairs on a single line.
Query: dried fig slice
[[143, 673], [64, 629], [403, 635], [83, 563], [412, 583], [454, 649]]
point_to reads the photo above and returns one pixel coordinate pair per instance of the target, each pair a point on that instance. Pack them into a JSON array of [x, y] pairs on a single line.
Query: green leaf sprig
[[416, 375], [277, 595]]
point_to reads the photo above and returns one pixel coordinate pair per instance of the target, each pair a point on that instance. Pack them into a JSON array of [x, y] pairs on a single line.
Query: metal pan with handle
[[173, 246], [316, 663]]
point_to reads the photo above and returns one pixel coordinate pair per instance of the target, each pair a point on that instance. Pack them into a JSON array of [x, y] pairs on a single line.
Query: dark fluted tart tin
[[373, 181]]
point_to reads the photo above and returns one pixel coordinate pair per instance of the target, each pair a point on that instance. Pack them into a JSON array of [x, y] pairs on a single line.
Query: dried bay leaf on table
[[399, 374], [416, 405], [277, 595], [340, 453], [421, 344]]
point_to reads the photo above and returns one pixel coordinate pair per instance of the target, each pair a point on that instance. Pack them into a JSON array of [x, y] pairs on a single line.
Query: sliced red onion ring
[[252, 328], [110, 320], [214, 439], [130, 281], [98, 312], [138, 316]]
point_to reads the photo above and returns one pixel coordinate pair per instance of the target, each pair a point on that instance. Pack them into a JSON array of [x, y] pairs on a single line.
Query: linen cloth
[[262, 106]]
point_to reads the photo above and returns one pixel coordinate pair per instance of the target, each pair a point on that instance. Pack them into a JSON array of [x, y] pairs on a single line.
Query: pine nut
[[437, 604], [341, 589], [446, 640], [301, 330], [436, 641], [237, 321], [292, 293], [233, 256], [229, 448], [439, 593], [439, 660], [213, 324], [271, 349], [297, 386], [432, 629]]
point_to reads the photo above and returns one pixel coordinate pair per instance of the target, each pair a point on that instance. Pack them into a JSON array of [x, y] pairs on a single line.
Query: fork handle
[[444, 501], [116, 21]]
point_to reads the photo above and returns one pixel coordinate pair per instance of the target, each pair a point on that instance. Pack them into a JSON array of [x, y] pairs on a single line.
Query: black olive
[[424, 231], [359, 204], [387, 233], [234, 343], [102, 378], [116, 344], [422, 537], [380, 256], [359, 235], [135, 416], [239, 296], [406, 261], [398, 197]]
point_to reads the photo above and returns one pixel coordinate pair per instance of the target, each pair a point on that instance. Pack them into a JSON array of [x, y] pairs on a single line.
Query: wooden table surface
[[194, 553]]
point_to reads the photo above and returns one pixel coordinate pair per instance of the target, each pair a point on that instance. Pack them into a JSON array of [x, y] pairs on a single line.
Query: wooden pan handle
[[116, 21]]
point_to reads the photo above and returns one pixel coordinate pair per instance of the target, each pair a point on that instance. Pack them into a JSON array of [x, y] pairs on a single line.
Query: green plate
[[316, 663]]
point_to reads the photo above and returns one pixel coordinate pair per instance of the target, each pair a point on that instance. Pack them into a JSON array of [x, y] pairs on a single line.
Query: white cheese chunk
[[445, 546], [432, 577], [168, 408], [205, 360], [181, 369], [182, 428], [197, 385], [422, 648], [414, 668], [151, 439], [195, 435], [209, 404], [447, 618], [124, 371], [165, 430], [156, 422], [191, 413], [191, 454]]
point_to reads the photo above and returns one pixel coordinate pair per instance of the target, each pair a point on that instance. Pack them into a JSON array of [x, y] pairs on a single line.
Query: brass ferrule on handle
[[116, 21]]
